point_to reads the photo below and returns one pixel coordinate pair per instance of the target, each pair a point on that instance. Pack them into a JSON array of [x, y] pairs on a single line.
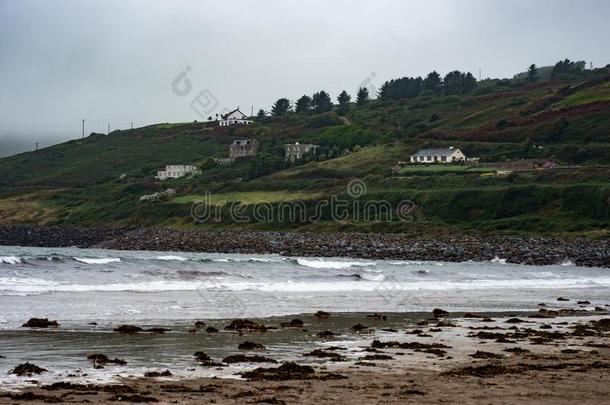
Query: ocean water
[[78, 287]]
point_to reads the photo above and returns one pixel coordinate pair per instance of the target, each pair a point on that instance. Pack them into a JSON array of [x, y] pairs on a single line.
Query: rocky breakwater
[[52, 236], [454, 248]]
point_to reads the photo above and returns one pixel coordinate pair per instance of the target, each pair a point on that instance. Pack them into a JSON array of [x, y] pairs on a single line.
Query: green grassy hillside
[[567, 121]]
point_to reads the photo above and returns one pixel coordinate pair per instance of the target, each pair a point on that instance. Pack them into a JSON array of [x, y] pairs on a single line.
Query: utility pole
[[590, 65], [36, 145], [131, 124], [83, 128], [479, 74], [108, 133]]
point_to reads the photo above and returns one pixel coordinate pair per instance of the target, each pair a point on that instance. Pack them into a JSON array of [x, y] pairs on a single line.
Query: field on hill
[[99, 180]]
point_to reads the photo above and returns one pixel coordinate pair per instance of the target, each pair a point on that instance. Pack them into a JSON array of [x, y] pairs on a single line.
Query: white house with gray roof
[[438, 155], [234, 117]]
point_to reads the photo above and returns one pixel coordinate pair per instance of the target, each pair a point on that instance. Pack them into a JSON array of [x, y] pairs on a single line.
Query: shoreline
[[553, 359], [448, 248]]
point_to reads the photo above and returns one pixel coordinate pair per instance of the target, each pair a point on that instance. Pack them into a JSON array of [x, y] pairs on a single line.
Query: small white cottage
[[439, 155], [235, 117]]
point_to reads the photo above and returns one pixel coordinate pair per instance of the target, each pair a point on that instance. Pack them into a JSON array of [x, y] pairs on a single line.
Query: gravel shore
[[452, 248], [539, 251]]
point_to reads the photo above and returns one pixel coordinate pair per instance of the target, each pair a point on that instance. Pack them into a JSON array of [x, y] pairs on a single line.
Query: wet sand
[[541, 358]]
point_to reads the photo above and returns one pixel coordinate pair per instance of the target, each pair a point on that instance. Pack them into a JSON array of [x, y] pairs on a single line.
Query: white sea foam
[[567, 263], [101, 260], [246, 259], [328, 264], [10, 260], [406, 263], [371, 277], [172, 258], [16, 285], [498, 260]]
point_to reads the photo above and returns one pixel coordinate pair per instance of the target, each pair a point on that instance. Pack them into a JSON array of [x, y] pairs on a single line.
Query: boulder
[[438, 313], [248, 345], [100, 359], [295, 323], [127, 329], [240, 358], [39, 323], [152, 374], [358, 328], [287, 371], [246, 324], [27, 370]]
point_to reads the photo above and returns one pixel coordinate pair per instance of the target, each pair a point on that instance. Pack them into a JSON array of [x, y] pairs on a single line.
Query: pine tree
[[261, 113], [532, 73], [469, 83], [321, 102], [456, 83], [452, 83], [433, 83], [303, 104], [344, 100], [281, 107], [363, 96]]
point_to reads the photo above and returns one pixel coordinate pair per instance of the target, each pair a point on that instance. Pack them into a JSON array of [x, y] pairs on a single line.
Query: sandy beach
[[547, 357]]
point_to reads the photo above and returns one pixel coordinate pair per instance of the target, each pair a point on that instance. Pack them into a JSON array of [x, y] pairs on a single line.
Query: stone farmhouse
[[297, 151], [243, 147]]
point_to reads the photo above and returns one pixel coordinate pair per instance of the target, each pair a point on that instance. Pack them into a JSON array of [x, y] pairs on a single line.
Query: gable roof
[[235, 111], [436, 152]]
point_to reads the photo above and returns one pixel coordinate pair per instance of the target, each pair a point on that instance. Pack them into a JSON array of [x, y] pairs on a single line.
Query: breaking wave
[[95, 260], [10, 260], [328, 264], [172, 258], [39, 286]]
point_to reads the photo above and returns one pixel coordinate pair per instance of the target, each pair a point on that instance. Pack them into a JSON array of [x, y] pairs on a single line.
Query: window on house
[[443, 158]]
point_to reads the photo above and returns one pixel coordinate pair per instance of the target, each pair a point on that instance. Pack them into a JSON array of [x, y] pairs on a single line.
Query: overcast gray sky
[[114, 61]]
